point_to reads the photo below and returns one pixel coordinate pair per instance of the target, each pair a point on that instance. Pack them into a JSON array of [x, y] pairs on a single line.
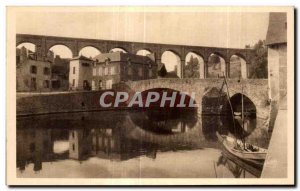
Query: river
[[128, 144]]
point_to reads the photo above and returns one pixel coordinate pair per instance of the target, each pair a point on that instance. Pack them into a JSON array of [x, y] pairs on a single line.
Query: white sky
[[233, 30]]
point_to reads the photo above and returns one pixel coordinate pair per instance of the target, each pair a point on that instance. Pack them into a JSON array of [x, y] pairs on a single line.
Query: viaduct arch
[[44, 43]]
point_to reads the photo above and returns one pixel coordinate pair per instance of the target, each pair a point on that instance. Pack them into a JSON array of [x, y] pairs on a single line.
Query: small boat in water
[[237, 148], [244, 151]]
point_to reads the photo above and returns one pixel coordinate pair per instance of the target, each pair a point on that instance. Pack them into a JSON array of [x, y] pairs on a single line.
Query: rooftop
[[81, 58], [277, 30], [122, 57]]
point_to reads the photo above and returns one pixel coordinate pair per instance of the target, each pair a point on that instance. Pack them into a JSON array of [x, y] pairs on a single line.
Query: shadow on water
[[165, 121], [115, 136], [107, 135]]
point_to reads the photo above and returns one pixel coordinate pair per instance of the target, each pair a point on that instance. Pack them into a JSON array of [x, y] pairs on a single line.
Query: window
[[100, 84], [100, 71], [73, 145], [46, 71], [140, 72], [109, 71], [117, 70], [109, 84], [94, 71], [105, 71], [33, 69], [46, 84], [113, 70], [73, 82], [93, 85], [150, 74], [74, 70]]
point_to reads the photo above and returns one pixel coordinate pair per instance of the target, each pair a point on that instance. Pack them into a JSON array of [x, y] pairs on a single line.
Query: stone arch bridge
[[255, 89], [44, 43]]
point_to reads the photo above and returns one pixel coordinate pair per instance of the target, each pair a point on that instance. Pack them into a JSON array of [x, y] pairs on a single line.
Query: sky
[[217, 29]]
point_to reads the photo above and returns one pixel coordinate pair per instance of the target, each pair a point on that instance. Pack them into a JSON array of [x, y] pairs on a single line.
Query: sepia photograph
[[150, 96]]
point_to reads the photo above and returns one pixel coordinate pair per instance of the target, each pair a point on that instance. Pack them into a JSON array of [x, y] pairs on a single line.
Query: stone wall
[[58, 102], [255, 89]]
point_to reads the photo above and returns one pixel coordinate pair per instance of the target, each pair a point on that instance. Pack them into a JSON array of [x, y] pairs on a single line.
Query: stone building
[[108, 69], [276, 163], [32, 74], [80, 73], [60, 74], [277, 57], [112, 68]]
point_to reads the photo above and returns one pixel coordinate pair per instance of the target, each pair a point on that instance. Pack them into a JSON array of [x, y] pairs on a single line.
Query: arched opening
[[29, 46], [172, 64], [123, 50], [242, 128], [143, 52], [24, 51], [238, 67], [60, 50], [194, 66], [168, 119], [89, 52], [212, 102], [216, 66], [60, 56]]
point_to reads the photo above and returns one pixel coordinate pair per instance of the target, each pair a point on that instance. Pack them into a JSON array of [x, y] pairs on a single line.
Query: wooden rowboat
[[250, 153]]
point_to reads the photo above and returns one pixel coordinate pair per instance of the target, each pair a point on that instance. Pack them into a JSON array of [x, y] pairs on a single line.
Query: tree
[[259, 63], [191, 70]]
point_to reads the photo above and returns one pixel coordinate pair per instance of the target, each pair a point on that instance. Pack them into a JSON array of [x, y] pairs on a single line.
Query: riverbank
[[44, 103]]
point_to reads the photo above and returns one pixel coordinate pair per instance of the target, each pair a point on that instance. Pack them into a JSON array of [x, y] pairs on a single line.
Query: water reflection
[[121, 137], [162, 121]]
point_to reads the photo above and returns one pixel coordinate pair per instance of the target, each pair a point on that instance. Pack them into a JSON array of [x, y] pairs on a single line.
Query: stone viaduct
[[44, 43]]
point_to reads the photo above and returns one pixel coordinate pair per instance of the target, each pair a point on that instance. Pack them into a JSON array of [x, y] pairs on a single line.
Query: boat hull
[[229, 144]]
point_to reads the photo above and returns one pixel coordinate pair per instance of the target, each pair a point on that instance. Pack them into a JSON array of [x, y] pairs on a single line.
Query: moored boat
[[244, 151]]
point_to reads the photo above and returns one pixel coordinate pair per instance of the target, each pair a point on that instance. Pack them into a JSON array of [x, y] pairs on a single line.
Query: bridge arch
[[62, 50], [216, 65], [238, 67], [236, 101], [118, 49], [246, 127], [28, 45], [89, 51], [144, 52], [172, 62], [194, 66]]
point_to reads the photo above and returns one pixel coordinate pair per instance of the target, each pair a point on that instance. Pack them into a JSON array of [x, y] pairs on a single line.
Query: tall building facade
[[277, 58], [108, 69], [32, 74]]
